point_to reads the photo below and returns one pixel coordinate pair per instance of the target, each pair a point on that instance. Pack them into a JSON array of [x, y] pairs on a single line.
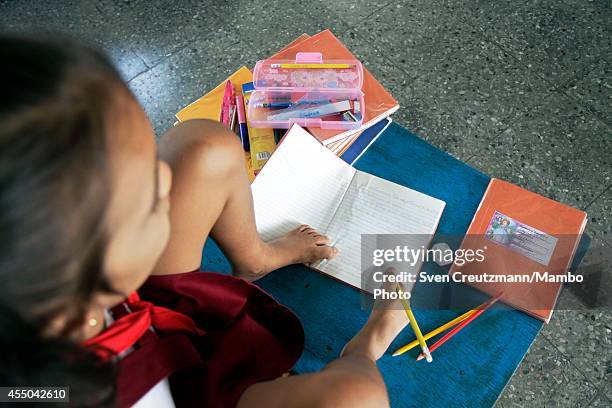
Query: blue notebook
[[364, 141]]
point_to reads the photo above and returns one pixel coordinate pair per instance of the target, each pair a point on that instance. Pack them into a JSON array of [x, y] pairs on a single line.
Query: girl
[[87, 217]]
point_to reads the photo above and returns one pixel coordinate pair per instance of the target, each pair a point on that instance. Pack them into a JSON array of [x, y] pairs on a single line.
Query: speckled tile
[[154, 90], [594, 294], [474, 93], [601, 401], [595, 90], [269, 25], [571, 148], [505, 158], [127, 62], [205, 63], [189, 74], [581, 325], [555, 38], [71, 17], [354, 12], [156, 29], [405, 33], [440, 128], [79, 20], [546, 378], [600, 217], [485, 87], [559, 148], [585, 338], [385, 70], [483, 13], [476, 81], [420, 110]]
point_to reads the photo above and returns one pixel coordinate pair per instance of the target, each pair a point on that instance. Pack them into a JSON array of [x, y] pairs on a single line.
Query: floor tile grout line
[[597, 197], [594, 112], [569, 360], [175, 51], [140, 58], [188, 42], [588, 380], [599, 393], [467, 161]]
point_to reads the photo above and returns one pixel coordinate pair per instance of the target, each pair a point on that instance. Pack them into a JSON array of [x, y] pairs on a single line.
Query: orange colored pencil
[[461, 325]]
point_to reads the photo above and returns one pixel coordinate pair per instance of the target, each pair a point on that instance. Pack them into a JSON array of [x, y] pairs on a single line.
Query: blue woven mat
[[471, 369]]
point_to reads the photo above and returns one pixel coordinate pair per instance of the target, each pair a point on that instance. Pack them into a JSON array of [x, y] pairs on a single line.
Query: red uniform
[[214, 336]]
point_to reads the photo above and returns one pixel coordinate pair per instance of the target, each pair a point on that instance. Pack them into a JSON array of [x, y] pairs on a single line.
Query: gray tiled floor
[[520, 89]]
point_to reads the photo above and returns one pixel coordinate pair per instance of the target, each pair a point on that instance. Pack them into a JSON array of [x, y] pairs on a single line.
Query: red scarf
[[124, 332]]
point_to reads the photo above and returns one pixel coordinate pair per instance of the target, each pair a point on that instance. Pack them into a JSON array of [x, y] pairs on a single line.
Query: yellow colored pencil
[[415, 327], [331, 66], [434, 332]]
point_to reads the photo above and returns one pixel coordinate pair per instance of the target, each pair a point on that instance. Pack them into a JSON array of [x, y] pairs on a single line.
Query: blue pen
[[242, 126], [273, 105], [290, 104]]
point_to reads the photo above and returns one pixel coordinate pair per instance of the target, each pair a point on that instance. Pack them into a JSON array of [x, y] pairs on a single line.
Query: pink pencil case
[[309, 91]]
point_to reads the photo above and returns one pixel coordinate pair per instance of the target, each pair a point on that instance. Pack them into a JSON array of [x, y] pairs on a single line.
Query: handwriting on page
[[302, 183], [375, 206]]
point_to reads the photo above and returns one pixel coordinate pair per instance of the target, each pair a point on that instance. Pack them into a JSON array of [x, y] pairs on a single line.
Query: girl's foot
[[387, 320], [302, 245]]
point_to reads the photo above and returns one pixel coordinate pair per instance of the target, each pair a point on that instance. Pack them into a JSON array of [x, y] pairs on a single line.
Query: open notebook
[[305, 183]]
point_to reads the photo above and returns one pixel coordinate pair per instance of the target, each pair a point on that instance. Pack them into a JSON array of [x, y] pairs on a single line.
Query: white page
[[302, 183], [373, 205]]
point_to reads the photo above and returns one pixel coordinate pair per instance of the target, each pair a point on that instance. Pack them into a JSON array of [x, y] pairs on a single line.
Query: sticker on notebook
[[527, 241]]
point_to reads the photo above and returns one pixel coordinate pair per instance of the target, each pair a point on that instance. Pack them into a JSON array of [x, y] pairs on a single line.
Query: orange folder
[[521, 233]]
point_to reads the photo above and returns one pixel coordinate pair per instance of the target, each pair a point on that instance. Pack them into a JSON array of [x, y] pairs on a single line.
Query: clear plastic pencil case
[[309, 91]]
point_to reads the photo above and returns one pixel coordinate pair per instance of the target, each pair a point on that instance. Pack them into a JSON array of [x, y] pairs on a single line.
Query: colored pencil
[[332, 66], [415, 327], [434, 332], [461, 325]]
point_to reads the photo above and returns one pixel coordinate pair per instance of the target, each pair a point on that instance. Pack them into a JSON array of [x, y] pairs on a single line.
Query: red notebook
[[379, 103], [527, 243]]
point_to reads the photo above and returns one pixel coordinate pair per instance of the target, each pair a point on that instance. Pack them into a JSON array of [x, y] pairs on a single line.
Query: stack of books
[[347, 144]]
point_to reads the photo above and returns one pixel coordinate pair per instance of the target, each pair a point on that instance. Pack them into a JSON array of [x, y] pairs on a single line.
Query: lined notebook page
[[373, 205], [302, 183]]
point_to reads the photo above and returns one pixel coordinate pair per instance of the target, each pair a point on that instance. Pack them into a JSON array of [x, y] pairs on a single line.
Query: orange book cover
[[527, 243], [379, 103]]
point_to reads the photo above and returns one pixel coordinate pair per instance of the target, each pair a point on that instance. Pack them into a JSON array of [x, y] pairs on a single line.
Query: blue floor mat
[[471, 369]]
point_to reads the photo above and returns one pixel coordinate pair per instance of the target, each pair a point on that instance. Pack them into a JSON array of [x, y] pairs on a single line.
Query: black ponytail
[[54, 192]]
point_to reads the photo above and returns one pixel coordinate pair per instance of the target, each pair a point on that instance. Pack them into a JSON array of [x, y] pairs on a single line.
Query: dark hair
[[54, 193]]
